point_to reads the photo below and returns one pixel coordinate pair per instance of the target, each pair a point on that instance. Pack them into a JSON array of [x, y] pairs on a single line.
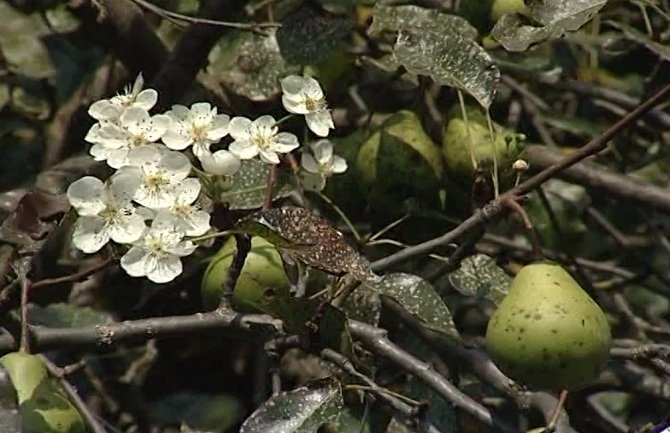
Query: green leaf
[[311, 240], [410, 17], [250, 183], [303, 410], [44, 405], [441, 46], [308, 35], [363, 304], [419, 298], [555, 18], [480, 276], [63, 315], [21, 44], [250, 65], [450, 59]]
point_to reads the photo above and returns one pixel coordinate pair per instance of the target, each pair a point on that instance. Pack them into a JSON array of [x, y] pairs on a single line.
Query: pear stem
[[513, 204], [562, 396]]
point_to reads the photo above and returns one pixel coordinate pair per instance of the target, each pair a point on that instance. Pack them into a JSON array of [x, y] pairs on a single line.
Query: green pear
[[262, 270], [547, 332]]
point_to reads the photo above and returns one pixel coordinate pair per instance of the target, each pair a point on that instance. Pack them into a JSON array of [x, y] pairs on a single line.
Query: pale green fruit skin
[[502, 7], [44, 405], [547, 332], [456, 150], [262, 270], [399, 161]]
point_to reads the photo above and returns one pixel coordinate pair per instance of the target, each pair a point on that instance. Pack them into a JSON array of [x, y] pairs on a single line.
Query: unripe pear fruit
[[502, 7], [262, 270], [547, 332]]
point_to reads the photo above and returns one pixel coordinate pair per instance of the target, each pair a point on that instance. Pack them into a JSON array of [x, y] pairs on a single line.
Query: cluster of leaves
[[413, 88]]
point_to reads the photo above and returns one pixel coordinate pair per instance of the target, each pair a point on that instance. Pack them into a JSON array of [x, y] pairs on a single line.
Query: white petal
[[128, 230], [308, 162], [137, 85], [175, 140], [104, 110], [239, 128], [90, 234], [221, 163], [135, 262], [145, 155], [112, 136], [294, 104], [265, 121], [202, 112], [159, 126], [218, 128], [177, 165], [339, 164], [117, 158], [134, 115], [124, 184], [197, 224], [146, 99], [320, 122], [312, 89], [293, 84], [85, 195], [269, 157], [200, 149], [323, 151], [284, 142], [188, 190], [180, 112], [166, 269], [162, 198], [183, 248], [93, 134], [243, 149]]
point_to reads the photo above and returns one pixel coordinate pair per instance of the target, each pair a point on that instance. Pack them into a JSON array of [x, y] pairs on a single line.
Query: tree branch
[[598, 178], [495, 208]]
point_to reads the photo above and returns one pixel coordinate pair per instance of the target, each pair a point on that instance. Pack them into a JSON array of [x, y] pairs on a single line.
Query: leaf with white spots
[[410, 17], [250, 183], [250, 64], [480, 276], [303, 410], [554, 18], [363, 304], [419, 298], [309, 239], [450, 59]]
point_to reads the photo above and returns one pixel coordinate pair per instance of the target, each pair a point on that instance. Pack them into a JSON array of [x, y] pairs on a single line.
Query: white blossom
[[220, 163], [260, 137], [192, 220], [159, 172], [111, 109], [319, 165], [135, 129], [200, 126], [105, 212], [303, 95], [157, 255]]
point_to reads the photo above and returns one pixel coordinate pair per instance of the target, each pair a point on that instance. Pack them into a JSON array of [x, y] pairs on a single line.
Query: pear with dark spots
[[566, 339]]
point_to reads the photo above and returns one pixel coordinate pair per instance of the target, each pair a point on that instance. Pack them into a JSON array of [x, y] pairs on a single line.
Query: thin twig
[[269, 189], [495, 208], [90, 417], [242, 245], [180, 19], [375, 340]]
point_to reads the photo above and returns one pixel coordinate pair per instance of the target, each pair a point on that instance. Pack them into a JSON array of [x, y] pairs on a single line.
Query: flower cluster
[[154, 203]]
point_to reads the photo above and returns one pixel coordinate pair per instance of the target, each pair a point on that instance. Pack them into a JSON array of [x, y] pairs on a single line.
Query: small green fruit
[[399, 161], [502, 7], [547, 332], [459, 137], [262, 270]]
